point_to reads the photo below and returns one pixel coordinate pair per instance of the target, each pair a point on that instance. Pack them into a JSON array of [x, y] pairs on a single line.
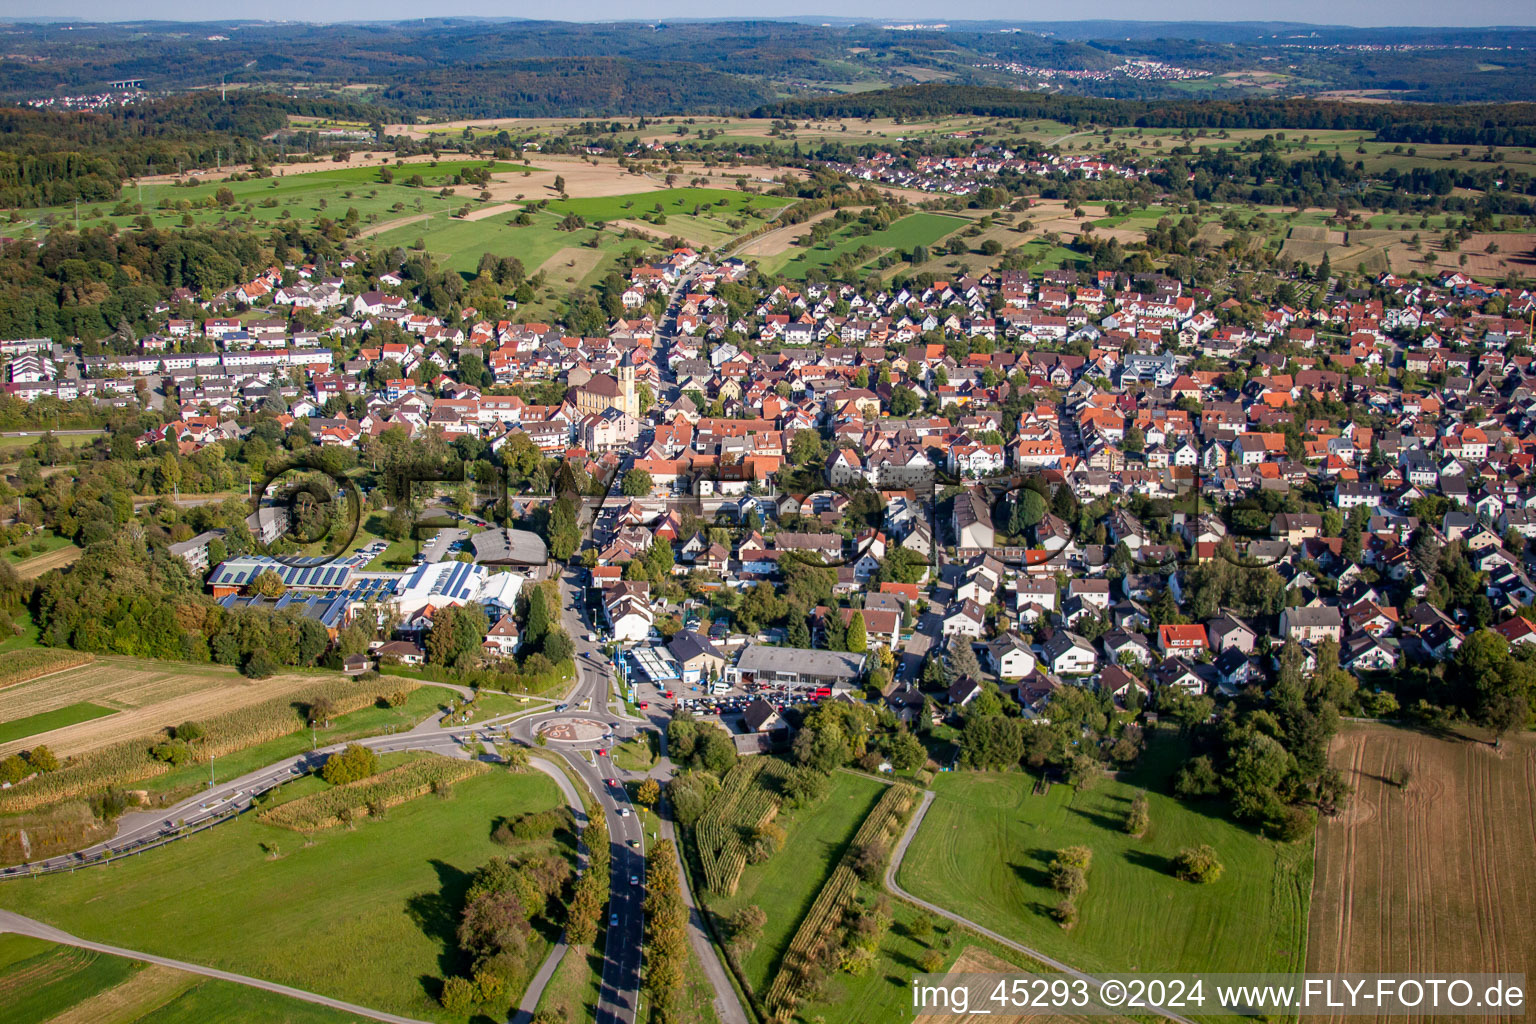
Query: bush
[[397, 698], [1068, 879], [260, 666], [1197, 864], [173, 752], [1076, 856], [459, 996], [42, 759], [1292, 824], [1065, 913], [14, 768], [353, 764], [1139, 818], [931, 962]]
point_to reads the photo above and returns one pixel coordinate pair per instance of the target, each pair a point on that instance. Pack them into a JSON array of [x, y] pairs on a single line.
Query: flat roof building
[[796, 667]]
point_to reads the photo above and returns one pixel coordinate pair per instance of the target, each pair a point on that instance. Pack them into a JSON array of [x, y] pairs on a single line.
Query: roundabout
[[573, 730]]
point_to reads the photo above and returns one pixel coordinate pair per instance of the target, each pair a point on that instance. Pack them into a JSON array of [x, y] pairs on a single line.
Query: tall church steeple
[[630, 402]]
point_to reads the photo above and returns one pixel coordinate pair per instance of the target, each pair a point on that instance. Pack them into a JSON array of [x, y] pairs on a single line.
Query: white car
[[623, 812]]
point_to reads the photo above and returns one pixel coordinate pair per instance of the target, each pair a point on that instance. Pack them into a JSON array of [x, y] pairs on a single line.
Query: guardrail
[[109, 855]]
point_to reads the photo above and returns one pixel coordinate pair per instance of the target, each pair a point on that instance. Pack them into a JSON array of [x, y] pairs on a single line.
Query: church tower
[[628, 401]]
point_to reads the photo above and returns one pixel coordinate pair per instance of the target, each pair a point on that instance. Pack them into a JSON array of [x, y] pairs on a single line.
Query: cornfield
[[30, 662], [819, 926], [130, 761], [391, 788], [743, 803]]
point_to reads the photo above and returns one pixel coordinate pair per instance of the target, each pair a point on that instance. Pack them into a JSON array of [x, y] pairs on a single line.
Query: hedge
[[336, 806]]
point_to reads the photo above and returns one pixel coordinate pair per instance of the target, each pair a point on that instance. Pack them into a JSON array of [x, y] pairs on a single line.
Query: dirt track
[[34, 567]]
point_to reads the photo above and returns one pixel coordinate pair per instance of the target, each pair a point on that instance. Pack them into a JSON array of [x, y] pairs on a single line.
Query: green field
[[699, 213], [303, 196], [58, 718], [459, 244], [370, 721], [26, 550], [912, 230], [40, 980], [11, 443], [366, 914], [786, 884], [984, 848]]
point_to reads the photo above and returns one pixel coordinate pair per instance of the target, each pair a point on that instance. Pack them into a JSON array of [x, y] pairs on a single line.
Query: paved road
[[10, 922], [890, 883], [588, 698]]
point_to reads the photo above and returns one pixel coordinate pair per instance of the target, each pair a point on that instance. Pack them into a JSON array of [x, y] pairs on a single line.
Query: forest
[[1510, 124], [49, 158], [737, 64]]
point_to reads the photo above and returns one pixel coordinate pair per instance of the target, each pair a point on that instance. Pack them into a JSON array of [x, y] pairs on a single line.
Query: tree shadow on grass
[[1151, 861], [1104, 821], [437, 915]]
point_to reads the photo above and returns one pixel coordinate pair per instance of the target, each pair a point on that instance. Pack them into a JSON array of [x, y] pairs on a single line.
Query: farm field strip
[[34, 725], [148, 696], [1434, 875]]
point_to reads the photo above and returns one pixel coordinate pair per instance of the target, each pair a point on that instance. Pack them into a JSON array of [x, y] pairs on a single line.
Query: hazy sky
[[1324, 12]]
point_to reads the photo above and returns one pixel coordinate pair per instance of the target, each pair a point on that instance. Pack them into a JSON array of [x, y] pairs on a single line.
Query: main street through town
[[587, 700]]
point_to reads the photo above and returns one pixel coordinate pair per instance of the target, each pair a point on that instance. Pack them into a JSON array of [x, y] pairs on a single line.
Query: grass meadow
[[984, 848], [786, 884], [33, 725], [365, 914], [912, 230], [42, 982]]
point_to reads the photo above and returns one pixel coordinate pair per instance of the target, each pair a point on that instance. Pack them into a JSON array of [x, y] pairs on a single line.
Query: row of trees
[[666, 937]]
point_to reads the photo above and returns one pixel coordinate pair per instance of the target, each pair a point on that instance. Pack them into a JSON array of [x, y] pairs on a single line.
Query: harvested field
[[974, 960], [1515, 252], [34, 567], [571, 263], [1434, 875], [147, 695]]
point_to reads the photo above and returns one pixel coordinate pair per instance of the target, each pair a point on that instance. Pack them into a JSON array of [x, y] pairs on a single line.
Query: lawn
[[786, 884], [984, 848], [713, 205], [912, 230], [40, 981], [10, 443], [365, 914], [461, 243], [573, 988], [637, 755], [300, 196], [36, 546], [58, 718]]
